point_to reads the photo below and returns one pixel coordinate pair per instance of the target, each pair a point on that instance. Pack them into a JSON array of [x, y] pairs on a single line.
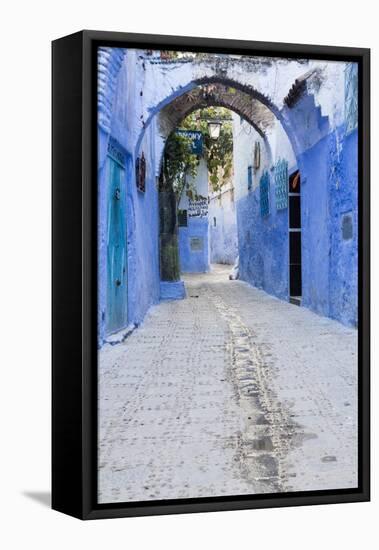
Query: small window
[[196, 244], [214, 222], [182, 218], [347, 226], [257, 155]]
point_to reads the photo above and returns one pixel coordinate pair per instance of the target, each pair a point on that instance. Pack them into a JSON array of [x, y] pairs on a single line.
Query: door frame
[[117, 154]]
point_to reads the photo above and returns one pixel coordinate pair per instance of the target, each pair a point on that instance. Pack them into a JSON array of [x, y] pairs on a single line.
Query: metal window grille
[[182, 218], [281, 184], [264, 187]]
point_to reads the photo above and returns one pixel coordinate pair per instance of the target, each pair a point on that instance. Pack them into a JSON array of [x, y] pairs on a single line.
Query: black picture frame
[[74, 272]]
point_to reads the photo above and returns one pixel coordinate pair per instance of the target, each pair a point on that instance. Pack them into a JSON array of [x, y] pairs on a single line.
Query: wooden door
[[116, 250]]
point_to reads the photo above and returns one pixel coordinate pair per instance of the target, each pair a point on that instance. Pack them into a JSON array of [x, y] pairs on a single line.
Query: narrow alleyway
[[229, 391]]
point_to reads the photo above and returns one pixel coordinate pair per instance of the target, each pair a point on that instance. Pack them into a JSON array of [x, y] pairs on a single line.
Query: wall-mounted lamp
[[214, 128]]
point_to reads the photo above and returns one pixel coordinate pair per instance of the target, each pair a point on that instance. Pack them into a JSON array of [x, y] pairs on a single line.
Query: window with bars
[[264, 188], [281, 184], [182, 218]]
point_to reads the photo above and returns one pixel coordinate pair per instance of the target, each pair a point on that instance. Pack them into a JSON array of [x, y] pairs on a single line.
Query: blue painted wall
[[143, 244], [343, 267], [194, 261], [263, 244], [102, 233], [315, 239], [142, 213], [330, 192]]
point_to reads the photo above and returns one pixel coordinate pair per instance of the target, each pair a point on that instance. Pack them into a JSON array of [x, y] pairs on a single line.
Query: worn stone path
[[227, 392]]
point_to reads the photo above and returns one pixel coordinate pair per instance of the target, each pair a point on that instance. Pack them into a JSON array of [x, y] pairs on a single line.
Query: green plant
[[179, 163], [218, 153]]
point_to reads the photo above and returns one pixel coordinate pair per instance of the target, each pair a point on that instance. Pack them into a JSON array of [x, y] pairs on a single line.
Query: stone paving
[[229, 391]]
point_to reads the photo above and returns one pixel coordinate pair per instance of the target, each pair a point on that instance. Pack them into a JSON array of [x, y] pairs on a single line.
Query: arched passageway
[[197, 395], [219, 237], [268, 121], [288, 104]]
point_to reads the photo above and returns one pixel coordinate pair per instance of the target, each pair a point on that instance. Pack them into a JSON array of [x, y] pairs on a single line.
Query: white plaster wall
[[276, 146], [330, 95], [198, 183], [244, 139], [223, 235], [280, 145]]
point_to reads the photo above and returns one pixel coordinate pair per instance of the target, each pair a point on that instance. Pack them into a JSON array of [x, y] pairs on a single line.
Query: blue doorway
[[116, 316]]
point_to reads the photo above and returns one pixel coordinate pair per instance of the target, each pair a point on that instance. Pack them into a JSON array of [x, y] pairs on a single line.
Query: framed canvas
[[210, 275]]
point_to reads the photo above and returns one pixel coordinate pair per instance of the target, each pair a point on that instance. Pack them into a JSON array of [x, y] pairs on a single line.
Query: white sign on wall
[[198, 208]]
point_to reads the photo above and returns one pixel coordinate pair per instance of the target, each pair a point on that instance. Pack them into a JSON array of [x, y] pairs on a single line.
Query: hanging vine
[[218, 153], [180, 163]]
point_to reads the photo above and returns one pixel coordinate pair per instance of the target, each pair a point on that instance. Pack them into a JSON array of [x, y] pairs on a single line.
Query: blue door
[[116, 249]]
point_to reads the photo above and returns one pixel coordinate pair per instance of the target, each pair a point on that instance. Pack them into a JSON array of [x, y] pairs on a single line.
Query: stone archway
[[260, 117], [296, 113], [289, 91], [215, 94], [292, 101], [292, 105], [297, 110]]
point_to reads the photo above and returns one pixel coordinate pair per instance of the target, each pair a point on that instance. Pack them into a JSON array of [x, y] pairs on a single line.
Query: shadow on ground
[[42, 497]]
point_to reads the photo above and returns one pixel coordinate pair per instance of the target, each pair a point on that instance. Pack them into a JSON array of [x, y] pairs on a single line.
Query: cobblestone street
[[229, 391]]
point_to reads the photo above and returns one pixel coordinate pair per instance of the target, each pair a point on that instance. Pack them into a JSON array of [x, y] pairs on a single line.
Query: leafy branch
[[180, 163], [218, 153]]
